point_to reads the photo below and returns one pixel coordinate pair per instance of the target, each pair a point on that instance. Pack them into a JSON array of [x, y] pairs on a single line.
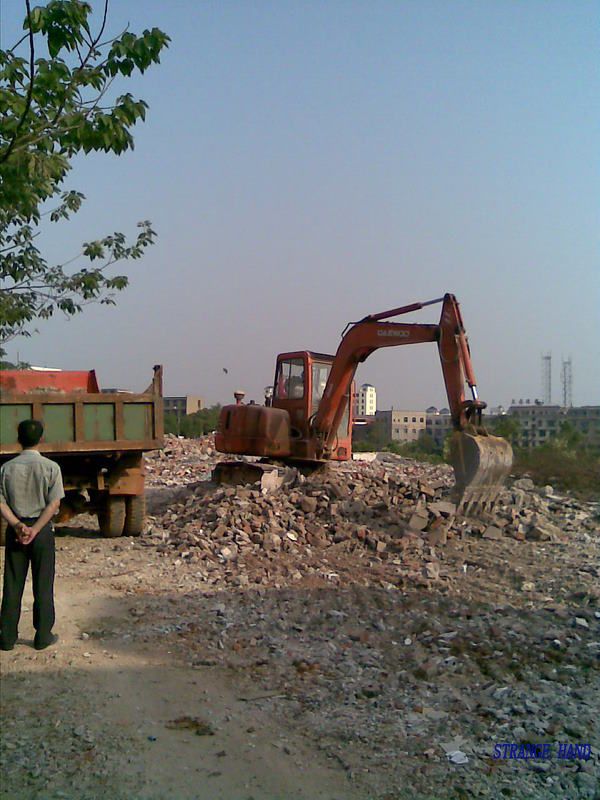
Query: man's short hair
[[29, 432]]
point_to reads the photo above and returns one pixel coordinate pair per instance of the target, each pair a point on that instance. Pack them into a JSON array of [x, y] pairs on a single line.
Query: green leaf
[[37, 15]]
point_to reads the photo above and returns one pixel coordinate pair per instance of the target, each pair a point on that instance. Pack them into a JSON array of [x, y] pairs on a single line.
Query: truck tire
[[3, 527], [111, 517], [135, 515]]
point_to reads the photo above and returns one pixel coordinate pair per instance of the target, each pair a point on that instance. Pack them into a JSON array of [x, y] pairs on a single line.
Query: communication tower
[[567, 382], [547, 378]]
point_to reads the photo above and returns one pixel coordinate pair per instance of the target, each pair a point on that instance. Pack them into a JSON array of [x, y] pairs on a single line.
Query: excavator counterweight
[[307, 417]]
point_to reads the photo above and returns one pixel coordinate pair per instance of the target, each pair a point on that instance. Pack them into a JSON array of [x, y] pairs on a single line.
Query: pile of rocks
[[358, 505], [182, 461], [390, 509]]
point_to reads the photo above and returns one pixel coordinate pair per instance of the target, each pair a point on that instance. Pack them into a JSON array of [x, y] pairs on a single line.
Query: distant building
[[438, 424], [366, 401], [586, 419], [539, 423], [182, 406], [403, 426]]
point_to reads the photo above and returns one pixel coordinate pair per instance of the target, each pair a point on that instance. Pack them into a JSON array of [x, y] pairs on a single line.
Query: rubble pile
[[362, 506], [392, 511], [408, 641], [182, 461]]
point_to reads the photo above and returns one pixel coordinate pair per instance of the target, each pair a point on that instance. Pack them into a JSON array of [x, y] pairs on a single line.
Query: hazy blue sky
[[307, 163]]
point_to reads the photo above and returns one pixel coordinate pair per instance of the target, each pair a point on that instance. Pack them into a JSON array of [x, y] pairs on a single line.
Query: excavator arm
[[372, 333], [480, 461]]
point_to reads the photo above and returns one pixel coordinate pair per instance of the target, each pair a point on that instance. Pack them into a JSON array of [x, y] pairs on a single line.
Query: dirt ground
[[333, 684], [88, 718]]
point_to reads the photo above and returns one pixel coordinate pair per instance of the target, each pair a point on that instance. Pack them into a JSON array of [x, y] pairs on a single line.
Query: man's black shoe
[[5, 646], [52, 640]]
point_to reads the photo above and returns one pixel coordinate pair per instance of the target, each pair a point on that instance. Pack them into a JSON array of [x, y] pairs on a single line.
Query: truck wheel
[[3, 527], [135, 515], [111, 517]]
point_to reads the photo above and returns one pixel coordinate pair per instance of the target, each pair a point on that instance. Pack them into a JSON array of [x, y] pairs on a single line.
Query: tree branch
[[21, 40], [114, 38], [83, 65], [9, 149]]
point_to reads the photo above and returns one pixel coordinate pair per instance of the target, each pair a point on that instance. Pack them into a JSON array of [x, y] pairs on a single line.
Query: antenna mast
[[547, 378], [567, 382]]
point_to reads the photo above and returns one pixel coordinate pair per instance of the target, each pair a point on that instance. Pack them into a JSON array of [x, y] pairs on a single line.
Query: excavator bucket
[[481, 463]]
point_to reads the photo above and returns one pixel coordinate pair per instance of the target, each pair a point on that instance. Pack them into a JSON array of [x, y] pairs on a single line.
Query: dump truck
[[307, 416], [97, 438]]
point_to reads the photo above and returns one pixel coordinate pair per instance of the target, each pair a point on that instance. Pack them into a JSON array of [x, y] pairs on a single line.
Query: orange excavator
[[307, 416]]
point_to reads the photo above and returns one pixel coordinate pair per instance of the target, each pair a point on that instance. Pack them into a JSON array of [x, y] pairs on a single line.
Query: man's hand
[[25, 534], [44, 518], [28, 539]]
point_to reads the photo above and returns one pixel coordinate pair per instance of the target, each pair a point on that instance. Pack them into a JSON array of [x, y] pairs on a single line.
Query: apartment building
[[182, 406], [402, 426], [366, 401], [438, 424], [539, 422], [586, 419]]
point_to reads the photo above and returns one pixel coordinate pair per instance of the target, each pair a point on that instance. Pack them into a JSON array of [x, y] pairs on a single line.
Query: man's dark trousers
[[40, 552]]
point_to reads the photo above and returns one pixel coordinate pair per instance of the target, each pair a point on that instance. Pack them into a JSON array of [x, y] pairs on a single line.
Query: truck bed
[[85, 422]]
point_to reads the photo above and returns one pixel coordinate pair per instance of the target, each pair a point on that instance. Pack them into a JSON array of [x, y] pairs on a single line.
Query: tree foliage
[[58, 99], [193, 425], [376, 438], [12, 365], [568, 437], [508, 427], [370, 437], [566, 467]]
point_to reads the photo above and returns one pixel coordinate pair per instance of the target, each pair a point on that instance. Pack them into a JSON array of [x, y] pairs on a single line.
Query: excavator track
[[239, 473], [269, 474]]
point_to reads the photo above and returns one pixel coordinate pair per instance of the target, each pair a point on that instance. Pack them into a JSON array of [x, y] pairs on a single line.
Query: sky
[[306, 163]]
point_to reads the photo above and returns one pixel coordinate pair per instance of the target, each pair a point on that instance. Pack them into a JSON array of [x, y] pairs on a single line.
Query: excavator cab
[[283, 428], [300, 381]]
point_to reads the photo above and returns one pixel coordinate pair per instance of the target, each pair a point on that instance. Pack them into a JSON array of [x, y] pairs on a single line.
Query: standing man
[[31, 489]]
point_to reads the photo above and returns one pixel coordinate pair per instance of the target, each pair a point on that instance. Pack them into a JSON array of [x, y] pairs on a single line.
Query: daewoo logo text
[[389, 332]]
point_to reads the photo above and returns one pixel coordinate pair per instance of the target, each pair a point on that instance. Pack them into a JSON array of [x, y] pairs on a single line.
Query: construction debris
[[390, 511]]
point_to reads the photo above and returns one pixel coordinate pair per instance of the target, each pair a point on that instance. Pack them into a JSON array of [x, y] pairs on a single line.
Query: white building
[[366, 401]]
